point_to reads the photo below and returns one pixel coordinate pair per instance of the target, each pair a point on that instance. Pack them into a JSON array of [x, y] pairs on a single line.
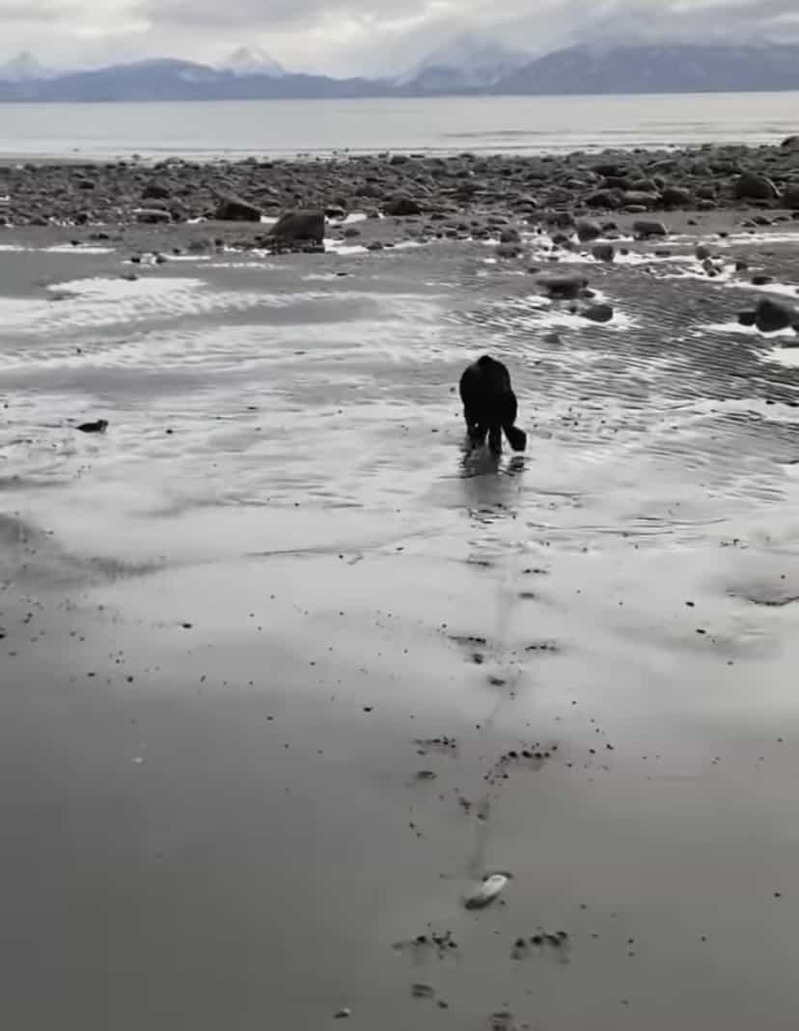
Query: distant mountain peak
[[252, 61], [470, 60], [24, 67]]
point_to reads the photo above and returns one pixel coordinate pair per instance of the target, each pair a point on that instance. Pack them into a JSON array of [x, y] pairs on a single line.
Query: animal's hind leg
[[477, 434], [495, 439]]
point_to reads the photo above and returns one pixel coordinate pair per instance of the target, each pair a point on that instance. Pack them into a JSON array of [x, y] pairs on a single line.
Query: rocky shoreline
[[433, 189]]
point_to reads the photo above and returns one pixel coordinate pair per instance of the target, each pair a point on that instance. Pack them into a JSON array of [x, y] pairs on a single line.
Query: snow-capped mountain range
[[468, 65]]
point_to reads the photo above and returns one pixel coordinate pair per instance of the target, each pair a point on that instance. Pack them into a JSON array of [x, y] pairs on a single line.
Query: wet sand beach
[[286, 672]]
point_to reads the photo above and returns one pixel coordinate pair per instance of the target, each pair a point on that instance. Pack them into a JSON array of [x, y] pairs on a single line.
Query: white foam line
[[344, 249], [109, 290], [784, 356], [742, 238], [61, 248], [750, 331]]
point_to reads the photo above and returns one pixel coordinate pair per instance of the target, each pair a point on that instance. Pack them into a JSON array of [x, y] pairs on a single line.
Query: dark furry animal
[[489, 405], [99, 426]]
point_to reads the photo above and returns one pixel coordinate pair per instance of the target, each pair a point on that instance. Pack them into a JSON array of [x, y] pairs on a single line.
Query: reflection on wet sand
[[286, 670]]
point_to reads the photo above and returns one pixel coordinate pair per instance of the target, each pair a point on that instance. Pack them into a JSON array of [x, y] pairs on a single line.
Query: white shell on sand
[[486, 893]]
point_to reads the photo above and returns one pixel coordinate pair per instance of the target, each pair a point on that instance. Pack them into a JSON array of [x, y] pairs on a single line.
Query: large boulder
[[643, 229], [773, 315], [300, 227], [790, 143], [588, 230], [598, 313], [402, 206], [156, 191], [676, 197], [563, 287], [604, 252], [234, 209], [790, 197], [751, 186], [609, 199]]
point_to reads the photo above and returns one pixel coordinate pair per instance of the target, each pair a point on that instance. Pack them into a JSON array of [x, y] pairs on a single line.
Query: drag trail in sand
[[284, 670]]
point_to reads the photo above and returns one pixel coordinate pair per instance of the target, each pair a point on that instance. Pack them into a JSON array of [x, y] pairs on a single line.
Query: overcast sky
[[361, 36]]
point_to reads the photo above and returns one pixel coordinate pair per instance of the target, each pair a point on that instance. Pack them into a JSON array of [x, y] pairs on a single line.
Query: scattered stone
[[771, 315], [676, 197], [152, 216], [300, 227], [510, 235], [790, 197], [751, 186], [565, 287], [401, 206], [509, 250], [156, 191], [234, 209], [645, 228], [588, 230], [343, 1014], [598, 313], [604, 252]]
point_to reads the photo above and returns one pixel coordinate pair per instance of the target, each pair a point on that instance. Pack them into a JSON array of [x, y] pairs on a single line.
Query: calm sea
[[501, 124]]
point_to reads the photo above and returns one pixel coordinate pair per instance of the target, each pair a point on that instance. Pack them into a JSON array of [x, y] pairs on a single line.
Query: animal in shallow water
[[98, 426], [489, 405]]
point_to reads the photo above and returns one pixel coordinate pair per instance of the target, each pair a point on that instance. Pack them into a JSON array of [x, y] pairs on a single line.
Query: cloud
[[357, 36], [41, 11]]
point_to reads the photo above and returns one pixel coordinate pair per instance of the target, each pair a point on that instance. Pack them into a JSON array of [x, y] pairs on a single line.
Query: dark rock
[[402, 206], [300, 226], [790, 143], [790, 196], [761, 279], [510, 236], [335, 211], [98, 426], [156, 191], [560, 220], [604, 252], [599, 313], [609, 199], [152, 216], [234, 209], [509, 250], [676, 197], [751, 186], [607, 168], [351, 232], [746, 318], [640, 199], [565, 287], [644, 228], [588, 230], [772, 315]]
